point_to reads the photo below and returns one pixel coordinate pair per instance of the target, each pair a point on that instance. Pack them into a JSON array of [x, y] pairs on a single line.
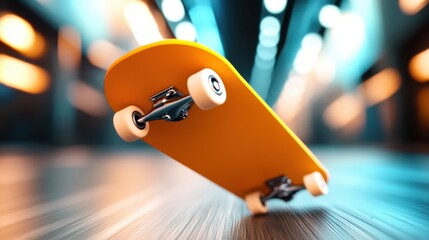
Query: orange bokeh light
[[380, 86], [69, 47], [343, 111], [419, 66], [412, 7], [20, 35], [23, 76], [85, 98], [103, 53]]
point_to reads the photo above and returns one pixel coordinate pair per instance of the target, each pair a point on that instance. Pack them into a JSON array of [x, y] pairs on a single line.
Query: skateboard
[[191, 104]]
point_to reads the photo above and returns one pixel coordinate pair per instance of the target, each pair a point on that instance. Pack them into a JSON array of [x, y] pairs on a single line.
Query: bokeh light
[[103, 53], [136, 13], [270, 26], [173, 10], [343, 111], [381, 86], [23, 76], [185, 31], [275, 6], [16, 32], [313, 42], [348, 35], [412, 7], [329, 15], [419, 66]]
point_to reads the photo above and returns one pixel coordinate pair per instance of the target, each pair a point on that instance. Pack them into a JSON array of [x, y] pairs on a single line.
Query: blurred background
[[349, 77], [336, 71]]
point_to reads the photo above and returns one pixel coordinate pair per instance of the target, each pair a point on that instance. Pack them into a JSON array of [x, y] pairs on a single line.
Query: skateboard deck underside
[[238, 145]]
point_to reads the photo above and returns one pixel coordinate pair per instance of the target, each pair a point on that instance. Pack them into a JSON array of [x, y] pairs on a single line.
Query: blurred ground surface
[[82, 193]]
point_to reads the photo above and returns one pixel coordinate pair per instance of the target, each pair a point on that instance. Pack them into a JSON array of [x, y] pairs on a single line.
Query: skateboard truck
[[206, 90], [168, 105], [282, 188]]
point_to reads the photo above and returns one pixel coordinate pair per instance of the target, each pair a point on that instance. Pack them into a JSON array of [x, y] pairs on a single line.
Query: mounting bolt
[[166, 117]]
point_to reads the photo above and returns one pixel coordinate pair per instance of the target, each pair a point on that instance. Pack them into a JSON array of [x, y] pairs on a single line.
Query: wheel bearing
[[216, 87], [136, 116]]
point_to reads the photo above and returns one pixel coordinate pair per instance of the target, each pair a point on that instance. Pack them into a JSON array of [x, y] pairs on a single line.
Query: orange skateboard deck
[[238, 145]]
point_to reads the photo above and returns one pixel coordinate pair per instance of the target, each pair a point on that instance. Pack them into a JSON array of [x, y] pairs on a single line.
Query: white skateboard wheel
[[125, 124], [206, 89], [255, 204], [315, 184]]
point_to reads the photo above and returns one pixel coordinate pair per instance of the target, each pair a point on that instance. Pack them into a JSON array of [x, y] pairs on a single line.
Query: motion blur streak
[[69, 47], [87, 99], [20, 196], [343, 111], [103, 53], [412, 7], [381, 86], [23, 76], [418, 66], [141, 22], [12, 163]]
